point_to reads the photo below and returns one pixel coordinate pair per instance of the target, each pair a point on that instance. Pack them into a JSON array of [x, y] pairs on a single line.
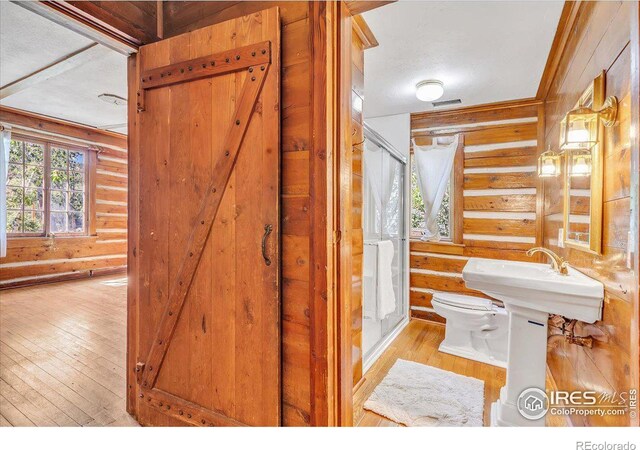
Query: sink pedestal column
[[526, 364]]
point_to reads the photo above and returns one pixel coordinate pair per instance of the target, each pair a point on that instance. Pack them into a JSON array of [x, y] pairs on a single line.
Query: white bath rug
[[417, 395]]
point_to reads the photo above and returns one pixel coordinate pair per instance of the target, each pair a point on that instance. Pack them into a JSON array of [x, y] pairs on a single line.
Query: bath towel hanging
[[433, 168], [386, 299]]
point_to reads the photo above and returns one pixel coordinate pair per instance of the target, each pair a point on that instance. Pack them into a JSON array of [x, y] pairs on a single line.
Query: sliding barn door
[[207, 323]]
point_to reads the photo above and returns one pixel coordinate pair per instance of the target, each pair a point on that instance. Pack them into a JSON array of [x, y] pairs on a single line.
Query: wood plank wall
[[299, 160], [357, 94], [597, 40], [137, 19], [500, 195], [33, 260]]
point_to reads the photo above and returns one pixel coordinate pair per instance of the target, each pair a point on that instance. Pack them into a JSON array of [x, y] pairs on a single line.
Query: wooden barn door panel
[[208, 307]]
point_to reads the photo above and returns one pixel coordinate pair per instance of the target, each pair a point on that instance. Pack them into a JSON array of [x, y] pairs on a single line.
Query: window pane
[[34, 153], [76, 222], [76, 160], [14, 221], [76, 181], [58, 179], [33, 199], [59, 157], [33, 221], [14, 198], [417, 205], [76, 201], [15, 151], [34, 176], [58, 201], [14, 177], [58, 222]]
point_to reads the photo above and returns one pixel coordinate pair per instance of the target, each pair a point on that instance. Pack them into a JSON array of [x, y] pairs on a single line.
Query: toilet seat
[[463, 301]]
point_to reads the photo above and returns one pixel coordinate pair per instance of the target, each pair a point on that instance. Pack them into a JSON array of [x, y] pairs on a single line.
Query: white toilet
[[476, 328]]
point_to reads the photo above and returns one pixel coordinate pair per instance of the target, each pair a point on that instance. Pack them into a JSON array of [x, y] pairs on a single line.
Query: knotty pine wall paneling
[[33, 260], [500, 194], [598, 39]]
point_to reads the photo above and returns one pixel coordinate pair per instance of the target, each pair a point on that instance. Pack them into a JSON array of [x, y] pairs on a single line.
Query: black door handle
[[267, 231]]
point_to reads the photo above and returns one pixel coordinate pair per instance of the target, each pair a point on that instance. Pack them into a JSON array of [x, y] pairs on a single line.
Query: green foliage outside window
[[27, 184]]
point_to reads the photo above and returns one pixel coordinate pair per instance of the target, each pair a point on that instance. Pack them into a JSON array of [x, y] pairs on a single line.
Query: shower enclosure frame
[[383, 343]]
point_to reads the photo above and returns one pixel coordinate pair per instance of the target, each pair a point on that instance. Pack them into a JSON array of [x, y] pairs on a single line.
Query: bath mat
[[417, 395]]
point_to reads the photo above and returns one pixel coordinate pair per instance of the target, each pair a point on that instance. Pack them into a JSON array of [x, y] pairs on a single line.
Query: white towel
[[370, 277], [386, 298]]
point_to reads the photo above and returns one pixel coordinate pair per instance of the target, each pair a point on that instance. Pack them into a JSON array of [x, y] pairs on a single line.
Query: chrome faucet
[[557, 263]]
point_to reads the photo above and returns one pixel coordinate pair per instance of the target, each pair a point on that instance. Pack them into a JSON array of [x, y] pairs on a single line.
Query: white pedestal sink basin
[[530, 292]]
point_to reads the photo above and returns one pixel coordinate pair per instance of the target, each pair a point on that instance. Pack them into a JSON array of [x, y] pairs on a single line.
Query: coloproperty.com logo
[[534, 403]]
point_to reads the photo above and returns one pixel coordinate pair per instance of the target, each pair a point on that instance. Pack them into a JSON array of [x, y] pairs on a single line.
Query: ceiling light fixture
[[113, 99], [429, 90]]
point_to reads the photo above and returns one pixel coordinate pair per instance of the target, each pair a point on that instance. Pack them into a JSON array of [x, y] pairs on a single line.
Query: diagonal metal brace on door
[[221, 63], [204, 221]]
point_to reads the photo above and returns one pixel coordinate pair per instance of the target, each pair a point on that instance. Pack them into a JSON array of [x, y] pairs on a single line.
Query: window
[[445, 214], [46, 192]]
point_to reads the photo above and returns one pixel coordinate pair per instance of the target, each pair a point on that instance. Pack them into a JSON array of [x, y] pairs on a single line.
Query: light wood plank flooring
[[62, 354], [419, 342]]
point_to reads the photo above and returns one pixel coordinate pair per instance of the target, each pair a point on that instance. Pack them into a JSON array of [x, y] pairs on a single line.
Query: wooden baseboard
[[427, 316], [66, 277], [358, 385]]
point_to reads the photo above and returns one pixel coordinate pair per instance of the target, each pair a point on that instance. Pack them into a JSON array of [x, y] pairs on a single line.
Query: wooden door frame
[[635, 194]]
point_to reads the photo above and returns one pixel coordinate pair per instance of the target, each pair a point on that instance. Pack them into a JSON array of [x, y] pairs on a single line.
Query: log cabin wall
[[597, 37], [33, 260], [495, 197], [304, 181]]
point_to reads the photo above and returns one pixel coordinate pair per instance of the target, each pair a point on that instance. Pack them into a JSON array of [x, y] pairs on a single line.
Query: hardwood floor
[[419, 342], [62, 354]]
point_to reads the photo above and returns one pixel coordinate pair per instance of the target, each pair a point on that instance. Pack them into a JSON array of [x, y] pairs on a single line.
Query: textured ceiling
[[484, 51], [29, 42]]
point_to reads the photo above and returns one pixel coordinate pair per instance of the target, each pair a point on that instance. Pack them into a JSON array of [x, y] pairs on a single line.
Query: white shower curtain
[[433, 168], [380, 175], [4, 169]]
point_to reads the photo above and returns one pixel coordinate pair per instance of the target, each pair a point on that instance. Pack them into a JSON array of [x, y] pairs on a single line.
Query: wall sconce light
[[579, 130], [549, 164], [580, 163]]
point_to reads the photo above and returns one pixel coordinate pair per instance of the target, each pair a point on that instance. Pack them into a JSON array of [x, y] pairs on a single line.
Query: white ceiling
[[29, 42], [483, 51]]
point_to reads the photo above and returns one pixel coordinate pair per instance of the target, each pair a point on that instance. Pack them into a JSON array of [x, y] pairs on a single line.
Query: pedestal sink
[[530, 292]]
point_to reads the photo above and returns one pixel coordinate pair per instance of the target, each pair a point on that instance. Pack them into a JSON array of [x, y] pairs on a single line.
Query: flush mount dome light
[[429, 90], [113, 99]]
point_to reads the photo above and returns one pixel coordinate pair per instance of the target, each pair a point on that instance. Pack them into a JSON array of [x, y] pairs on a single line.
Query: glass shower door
[[384, 220]]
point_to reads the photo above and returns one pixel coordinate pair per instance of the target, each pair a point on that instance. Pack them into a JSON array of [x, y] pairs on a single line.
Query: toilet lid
[[463, 301]]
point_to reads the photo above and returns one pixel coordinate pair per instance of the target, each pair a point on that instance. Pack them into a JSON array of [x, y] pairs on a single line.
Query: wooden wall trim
[[563, 31], [133, 228], [113, 33], [58, 127], [322, 323], [359, 6], [487, 112], [66, 277], [635, 195], [363, 31]]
